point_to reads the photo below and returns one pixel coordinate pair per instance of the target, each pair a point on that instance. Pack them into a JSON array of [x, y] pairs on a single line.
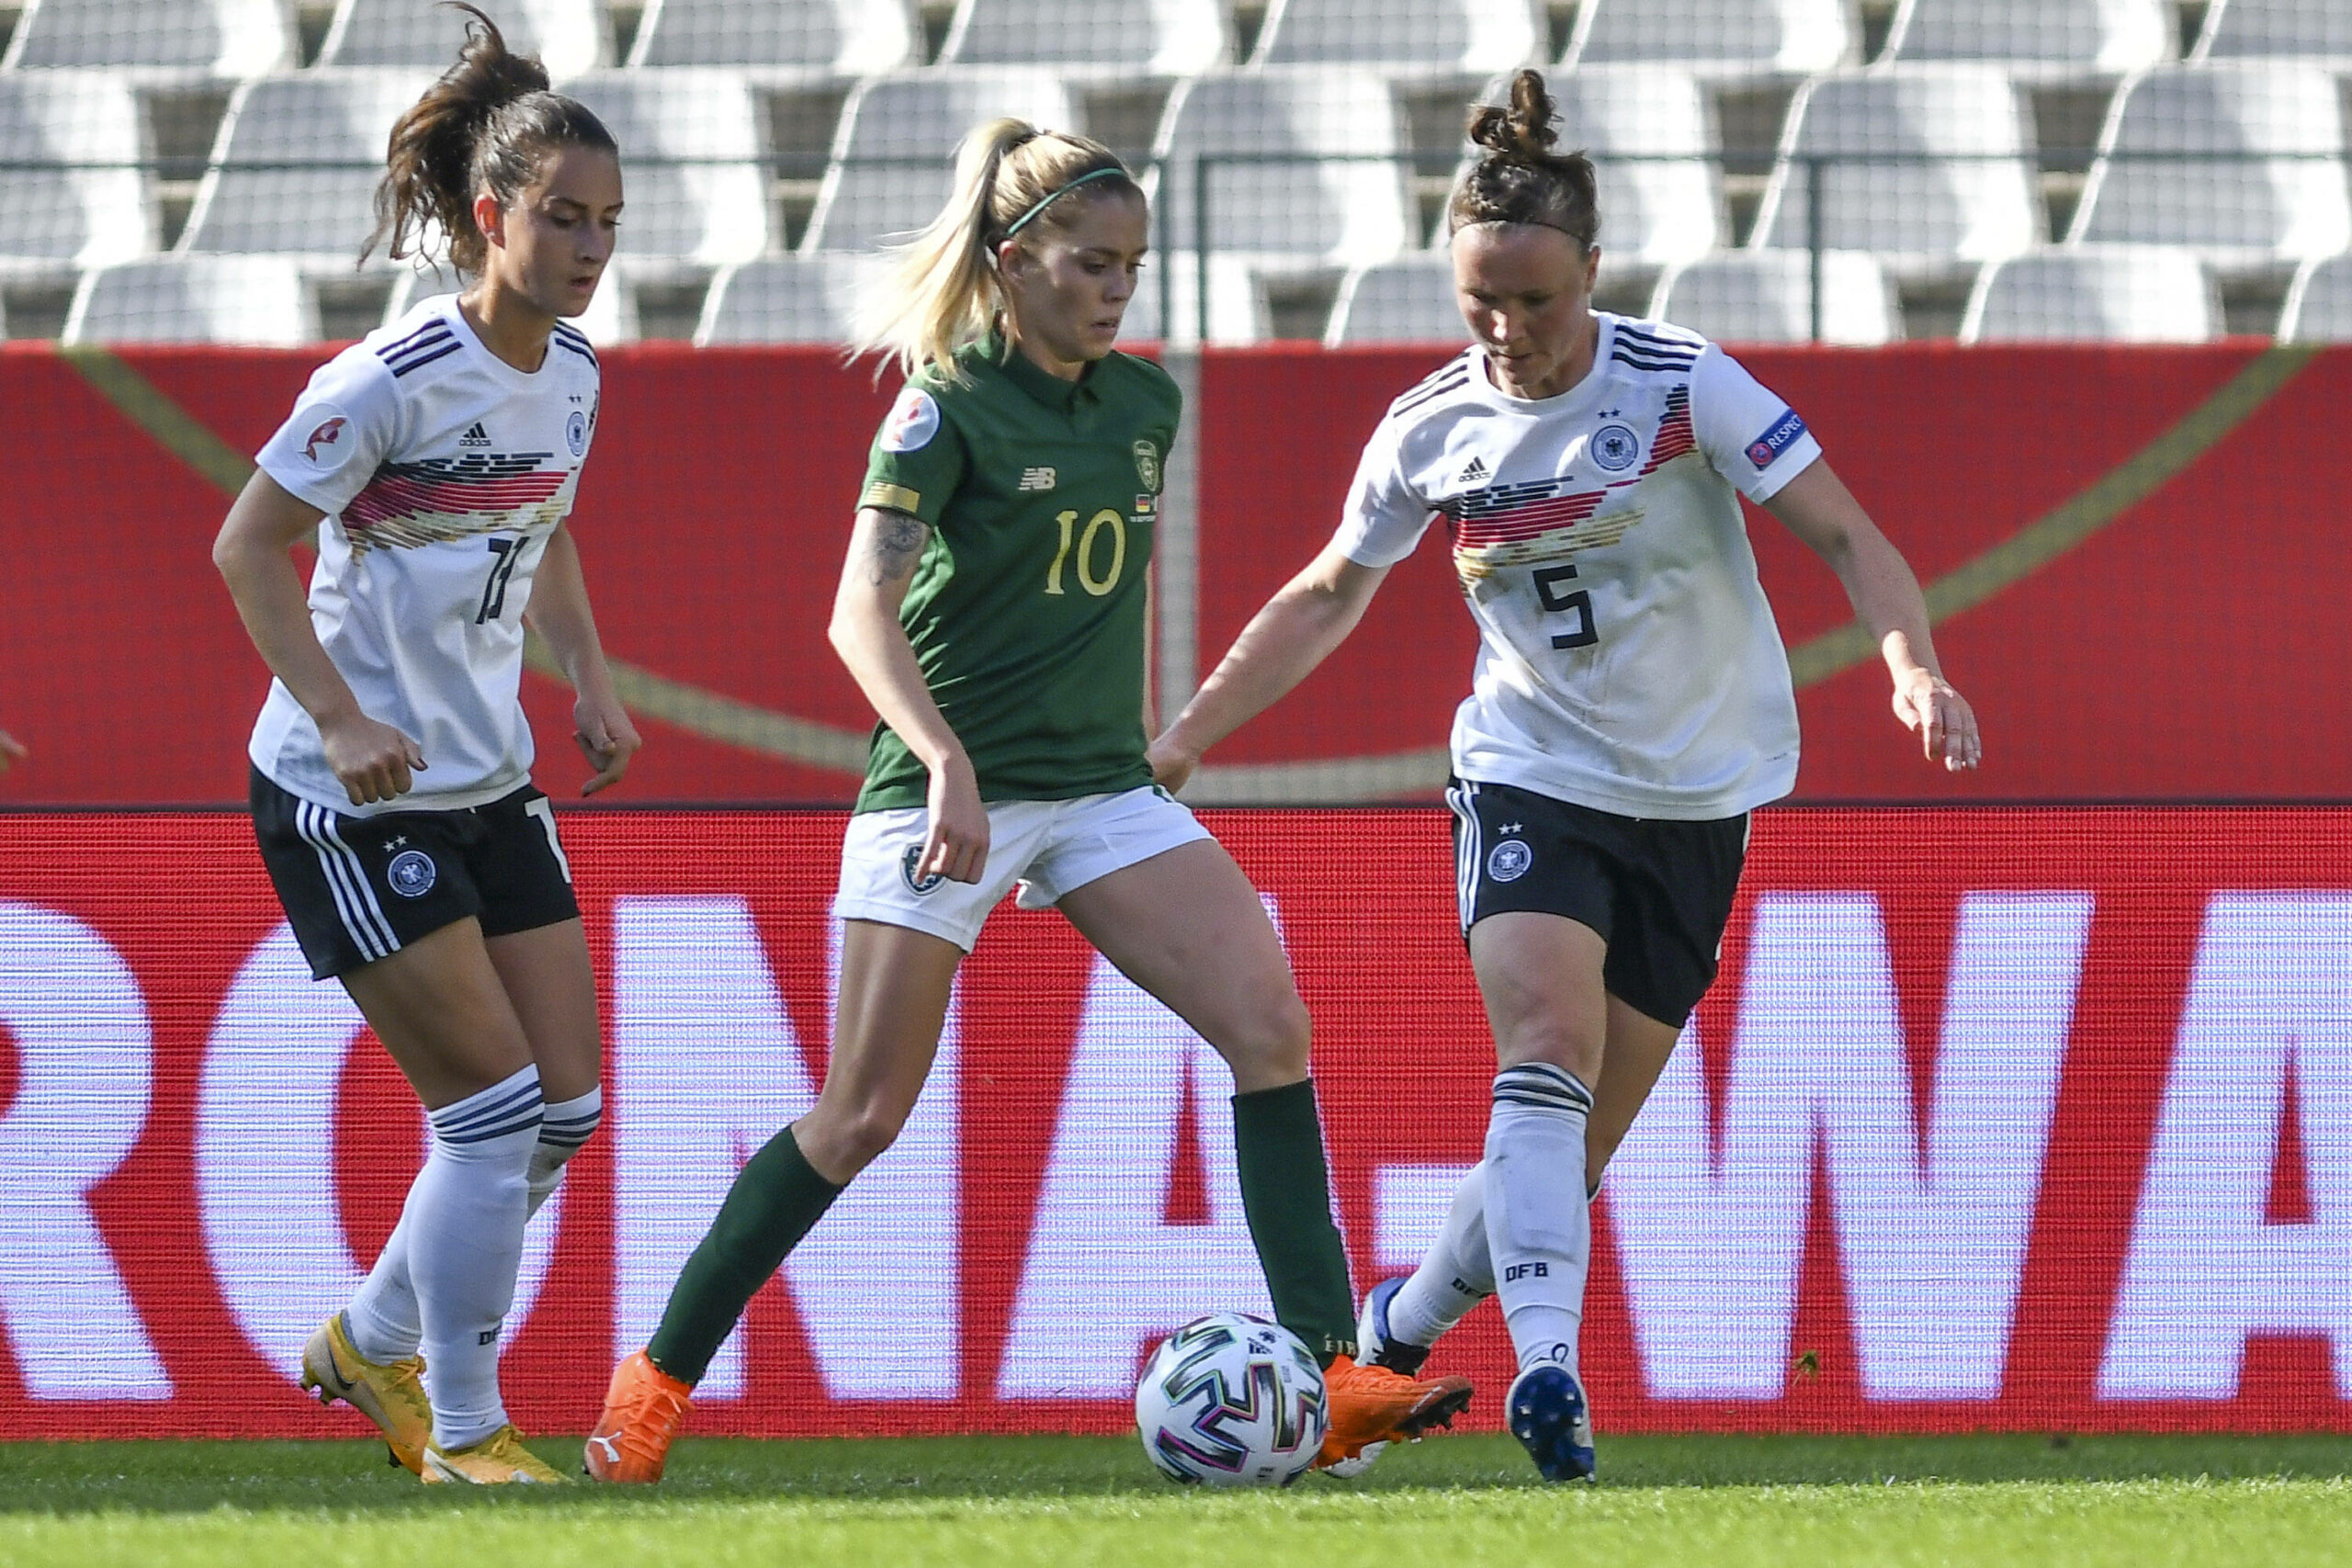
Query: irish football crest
[[1148, 466]]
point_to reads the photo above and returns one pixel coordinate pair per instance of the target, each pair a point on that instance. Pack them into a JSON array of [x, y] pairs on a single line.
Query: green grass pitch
[[1812, 1502]]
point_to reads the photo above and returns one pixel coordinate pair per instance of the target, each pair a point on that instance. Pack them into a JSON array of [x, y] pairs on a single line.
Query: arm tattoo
[[898, 546]]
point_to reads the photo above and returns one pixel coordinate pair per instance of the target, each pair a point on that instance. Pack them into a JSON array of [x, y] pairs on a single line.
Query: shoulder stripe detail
[[419, 360], [1652, 359], [1430, 391], [437, 327], [392, 354], [1670, 337], [581, 349]]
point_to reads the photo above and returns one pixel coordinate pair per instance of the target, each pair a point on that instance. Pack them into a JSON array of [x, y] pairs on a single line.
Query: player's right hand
[[11, 750], [373, 761], [956, 845]]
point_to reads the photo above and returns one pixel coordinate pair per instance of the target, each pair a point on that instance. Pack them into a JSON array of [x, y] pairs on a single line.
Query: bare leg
[[895, 985]]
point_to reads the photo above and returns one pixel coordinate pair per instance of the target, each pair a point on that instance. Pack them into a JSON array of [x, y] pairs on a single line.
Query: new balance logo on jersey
[[1036, 480], [475, 438], [1472, 472]]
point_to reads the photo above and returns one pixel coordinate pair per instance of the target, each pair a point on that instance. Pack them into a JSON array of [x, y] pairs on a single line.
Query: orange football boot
[[643, 1410], [1373, 1405]]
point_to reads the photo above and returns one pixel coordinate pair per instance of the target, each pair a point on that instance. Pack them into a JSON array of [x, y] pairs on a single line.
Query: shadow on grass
[[352, 1477]]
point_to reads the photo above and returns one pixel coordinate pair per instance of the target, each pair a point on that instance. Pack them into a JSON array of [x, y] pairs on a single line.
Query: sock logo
[[1527, 1272]]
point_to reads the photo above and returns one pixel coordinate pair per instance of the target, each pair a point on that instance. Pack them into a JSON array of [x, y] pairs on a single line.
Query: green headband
[[1047, 200]]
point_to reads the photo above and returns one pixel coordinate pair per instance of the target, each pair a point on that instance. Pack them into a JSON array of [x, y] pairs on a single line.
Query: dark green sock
[[771, 1206], [1286, 1193]]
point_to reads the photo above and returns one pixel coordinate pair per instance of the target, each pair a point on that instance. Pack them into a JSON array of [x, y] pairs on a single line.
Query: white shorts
[[1051, 847]]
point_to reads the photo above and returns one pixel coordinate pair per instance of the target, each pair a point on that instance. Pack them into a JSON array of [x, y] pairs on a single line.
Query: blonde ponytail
[[942, 291]]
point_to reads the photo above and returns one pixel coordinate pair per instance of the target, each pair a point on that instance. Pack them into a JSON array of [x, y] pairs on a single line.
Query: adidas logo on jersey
[[1472, 472], [475, 436], [1036, 480]]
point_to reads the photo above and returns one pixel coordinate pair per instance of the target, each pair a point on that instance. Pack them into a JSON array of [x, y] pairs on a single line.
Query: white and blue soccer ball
[[1232, 1400]]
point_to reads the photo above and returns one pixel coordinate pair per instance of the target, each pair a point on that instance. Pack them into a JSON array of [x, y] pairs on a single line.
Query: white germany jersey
[[443, 472], [1627, 660]]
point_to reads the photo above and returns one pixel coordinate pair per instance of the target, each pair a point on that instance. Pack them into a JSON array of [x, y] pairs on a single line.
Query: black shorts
[[1660, 893], [360, 888]]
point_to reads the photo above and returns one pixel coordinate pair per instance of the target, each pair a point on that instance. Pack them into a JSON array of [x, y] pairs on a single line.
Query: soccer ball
[[1232, 1401]]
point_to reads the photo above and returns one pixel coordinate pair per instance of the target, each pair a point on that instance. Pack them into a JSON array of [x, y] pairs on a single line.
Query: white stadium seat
[[296, 163], [2312, 29], [2095, 294], [1646, 129], [566, 35], [1331, 183], [236, 300], [2318, 302], [1167, 307], [798, 298], [1792, 37], [2282, 198], [212, 38], [694, 177], [1419, 35], [56, 217], [2111, 35], [1962, 187], [1158, 37], [1767, 296], [848, 38], [893, 154], [1410, 299]]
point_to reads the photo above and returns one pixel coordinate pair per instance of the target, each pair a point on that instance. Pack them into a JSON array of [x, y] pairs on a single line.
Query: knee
[[1576, 1050], [1270, 1045], [842, 1140], [564, 1131]]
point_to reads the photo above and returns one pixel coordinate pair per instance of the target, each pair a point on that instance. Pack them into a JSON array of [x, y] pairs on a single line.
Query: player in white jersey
[[1632, 704], [434, 463]]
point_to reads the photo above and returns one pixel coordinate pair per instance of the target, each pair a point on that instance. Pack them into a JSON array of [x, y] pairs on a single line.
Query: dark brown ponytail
[[483, 126], [1521, 179]]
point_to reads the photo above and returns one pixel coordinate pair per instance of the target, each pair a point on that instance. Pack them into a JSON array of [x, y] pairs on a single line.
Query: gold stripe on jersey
[[447, 527], [1472, 562], [890, 497]]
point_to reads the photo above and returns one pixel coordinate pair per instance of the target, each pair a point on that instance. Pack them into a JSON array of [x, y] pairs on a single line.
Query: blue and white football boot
[[1376, 1347], [1548, 1414]]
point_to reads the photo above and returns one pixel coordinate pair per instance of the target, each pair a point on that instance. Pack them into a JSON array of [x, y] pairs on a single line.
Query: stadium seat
[[568, 35], [242, 299], [2074, 36], [332, 126], [846, 38], [892, 160], [2095, 294], [1646, 129], [1166, 307], [56, 217], [1767, 296], [1410, 299], [1962, 187], [211, 37], [1790, 36], [1401, 34], [1140, 37], [1348, 208], [696, 184], [2318, 302], [2283, 199], [2312, 29], [799, 299]]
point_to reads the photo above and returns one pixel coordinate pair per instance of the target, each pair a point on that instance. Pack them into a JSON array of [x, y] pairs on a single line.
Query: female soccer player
[[1632, 704], [992, 611], [390, 785]]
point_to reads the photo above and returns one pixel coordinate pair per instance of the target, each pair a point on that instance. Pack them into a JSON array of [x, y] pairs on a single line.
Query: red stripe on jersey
[[389, 496], [1674, 437], [1527, 521]]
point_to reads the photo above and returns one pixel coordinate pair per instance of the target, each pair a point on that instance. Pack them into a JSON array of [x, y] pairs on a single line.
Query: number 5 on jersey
[[1583, 634]]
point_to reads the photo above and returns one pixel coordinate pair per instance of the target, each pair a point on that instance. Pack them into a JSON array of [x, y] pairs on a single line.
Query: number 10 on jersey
[[1087, 551]]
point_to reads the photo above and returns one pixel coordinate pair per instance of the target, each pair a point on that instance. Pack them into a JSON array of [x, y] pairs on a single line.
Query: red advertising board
[[2034, 1120]]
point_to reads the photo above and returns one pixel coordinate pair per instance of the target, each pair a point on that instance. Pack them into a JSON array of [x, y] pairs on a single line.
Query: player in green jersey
[[992, 611]]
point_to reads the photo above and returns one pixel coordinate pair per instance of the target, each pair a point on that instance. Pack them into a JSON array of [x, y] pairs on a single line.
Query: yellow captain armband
[[892, 498]]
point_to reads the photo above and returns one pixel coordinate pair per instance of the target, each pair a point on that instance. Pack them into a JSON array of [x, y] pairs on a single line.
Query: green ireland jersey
[[1027, 611]]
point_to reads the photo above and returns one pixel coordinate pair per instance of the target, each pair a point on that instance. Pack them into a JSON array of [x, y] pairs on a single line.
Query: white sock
[[1457, 1274], [382, 1319], [1539, 1232], [464, 1242]]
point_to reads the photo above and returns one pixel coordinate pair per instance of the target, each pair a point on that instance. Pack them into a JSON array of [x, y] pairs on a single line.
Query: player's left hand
[[607, 738], [1941, 718], [11, 750]]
